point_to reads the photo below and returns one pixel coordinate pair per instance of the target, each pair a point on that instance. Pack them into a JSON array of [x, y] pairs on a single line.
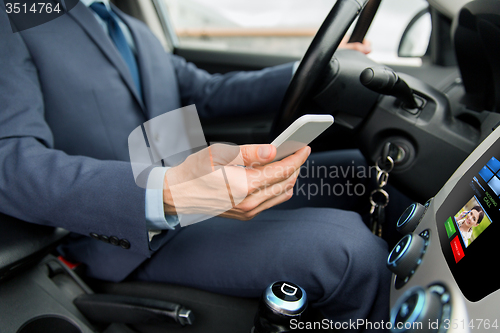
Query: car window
[[283, 27]]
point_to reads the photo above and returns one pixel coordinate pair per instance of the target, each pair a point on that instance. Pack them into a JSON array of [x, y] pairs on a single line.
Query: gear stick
[[281, 303], [385, 81]]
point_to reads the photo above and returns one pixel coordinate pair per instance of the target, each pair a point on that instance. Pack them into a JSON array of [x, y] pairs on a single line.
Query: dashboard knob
[[406, 255], [415, 311], [410, 218]]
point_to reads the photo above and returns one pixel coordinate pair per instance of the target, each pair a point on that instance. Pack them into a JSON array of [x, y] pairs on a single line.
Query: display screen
[[468, 223]]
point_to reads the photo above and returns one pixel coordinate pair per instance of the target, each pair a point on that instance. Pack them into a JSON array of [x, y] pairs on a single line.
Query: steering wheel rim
[[315, 61]]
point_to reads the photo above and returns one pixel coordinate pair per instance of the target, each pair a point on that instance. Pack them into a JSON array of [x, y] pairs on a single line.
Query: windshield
[[284, 27]]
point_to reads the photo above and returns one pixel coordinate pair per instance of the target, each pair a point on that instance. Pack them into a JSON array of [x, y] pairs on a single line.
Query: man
[[69, 98]]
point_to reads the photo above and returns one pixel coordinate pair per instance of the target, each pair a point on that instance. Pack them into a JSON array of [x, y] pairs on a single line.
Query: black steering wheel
[[314, 63]]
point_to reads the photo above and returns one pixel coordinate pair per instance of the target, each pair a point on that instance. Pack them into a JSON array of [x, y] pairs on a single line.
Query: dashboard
[[444, 266]]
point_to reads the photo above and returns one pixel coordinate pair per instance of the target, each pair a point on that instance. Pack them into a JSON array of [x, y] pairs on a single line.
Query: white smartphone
[[300, 133]]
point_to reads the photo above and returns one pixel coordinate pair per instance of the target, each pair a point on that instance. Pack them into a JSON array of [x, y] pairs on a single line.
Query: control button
[[428, 203], [444, 295], [410, 218], [456, 248], [426, 234], [94, 235], [286, 298], [406, 255], [280, 303], [289, 290], [414, 310]]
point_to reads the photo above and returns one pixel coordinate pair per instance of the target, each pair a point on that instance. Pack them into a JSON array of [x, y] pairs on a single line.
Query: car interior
[[437, 122]]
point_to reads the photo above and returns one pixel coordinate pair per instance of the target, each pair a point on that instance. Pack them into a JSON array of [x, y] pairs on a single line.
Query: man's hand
[[231, 181], [364, 47]]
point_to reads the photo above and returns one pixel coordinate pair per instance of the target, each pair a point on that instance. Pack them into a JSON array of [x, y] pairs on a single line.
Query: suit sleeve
[[46, 186], [235, 93]]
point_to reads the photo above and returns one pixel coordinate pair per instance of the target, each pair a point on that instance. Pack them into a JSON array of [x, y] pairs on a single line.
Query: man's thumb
[[258, 154]]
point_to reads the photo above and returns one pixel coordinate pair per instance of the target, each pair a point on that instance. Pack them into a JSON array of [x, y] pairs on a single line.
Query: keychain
[[379, 198]]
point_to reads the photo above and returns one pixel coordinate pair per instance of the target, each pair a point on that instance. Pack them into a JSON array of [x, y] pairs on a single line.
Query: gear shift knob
[[280, 303], [385, 81]]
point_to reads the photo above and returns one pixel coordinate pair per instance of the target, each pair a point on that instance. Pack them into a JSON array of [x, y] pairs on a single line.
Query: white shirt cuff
[[155, 214]]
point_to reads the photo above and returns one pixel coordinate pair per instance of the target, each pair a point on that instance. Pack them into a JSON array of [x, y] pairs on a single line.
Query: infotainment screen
[[467, 223]]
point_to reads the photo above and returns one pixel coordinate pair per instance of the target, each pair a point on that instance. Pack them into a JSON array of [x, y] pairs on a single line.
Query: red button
[[457, 249]]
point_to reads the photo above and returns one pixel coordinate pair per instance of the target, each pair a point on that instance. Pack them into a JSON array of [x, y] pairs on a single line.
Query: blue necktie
[[120, 41]]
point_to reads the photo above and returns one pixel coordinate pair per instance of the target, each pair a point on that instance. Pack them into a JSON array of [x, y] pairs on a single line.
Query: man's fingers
[[261, 195], [254, 155], [364, 47], [246, 215], [276, 172], [298, 158]]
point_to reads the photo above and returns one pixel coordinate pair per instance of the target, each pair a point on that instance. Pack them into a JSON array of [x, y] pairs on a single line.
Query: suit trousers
[[328, 251]]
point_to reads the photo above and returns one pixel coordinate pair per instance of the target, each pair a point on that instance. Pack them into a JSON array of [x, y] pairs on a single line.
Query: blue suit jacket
[[67, 106]]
